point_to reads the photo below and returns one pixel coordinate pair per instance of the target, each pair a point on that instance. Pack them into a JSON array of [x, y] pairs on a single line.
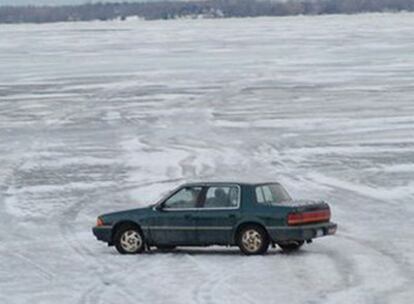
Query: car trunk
[[305, 205], [307, 212]]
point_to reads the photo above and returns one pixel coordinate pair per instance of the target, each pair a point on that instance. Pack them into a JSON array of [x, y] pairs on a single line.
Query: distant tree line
[[208, 9]]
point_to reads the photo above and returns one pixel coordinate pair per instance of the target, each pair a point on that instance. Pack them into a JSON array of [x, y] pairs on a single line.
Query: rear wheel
[[291, 245], [129, 240], [253, 239]]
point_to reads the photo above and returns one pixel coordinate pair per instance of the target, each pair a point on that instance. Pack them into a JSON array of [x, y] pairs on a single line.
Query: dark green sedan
[[249, 215]]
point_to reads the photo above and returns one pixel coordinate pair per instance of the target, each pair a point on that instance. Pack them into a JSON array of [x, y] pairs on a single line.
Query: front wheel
[[253, 239], [291, 245], [129, 240]]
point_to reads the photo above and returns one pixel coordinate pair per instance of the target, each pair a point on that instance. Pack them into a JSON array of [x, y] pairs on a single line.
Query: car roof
[[218, 183]]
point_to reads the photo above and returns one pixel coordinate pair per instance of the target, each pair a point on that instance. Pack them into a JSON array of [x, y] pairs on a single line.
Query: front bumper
[[103, 233], [302, 233]]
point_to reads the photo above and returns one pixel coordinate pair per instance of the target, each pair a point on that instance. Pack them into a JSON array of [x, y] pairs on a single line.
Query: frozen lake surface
[[97, 117]]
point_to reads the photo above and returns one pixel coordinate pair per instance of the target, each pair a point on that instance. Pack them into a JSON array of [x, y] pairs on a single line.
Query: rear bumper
[[301, 233], [103, 233]]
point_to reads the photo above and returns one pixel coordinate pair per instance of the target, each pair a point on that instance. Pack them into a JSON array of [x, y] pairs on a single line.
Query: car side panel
[[215, 226], [256, 213], [249, 213], [172, 228]]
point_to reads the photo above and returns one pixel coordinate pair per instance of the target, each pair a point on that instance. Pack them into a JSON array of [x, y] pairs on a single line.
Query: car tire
[[252, 240], [129, 239], [291, 246]]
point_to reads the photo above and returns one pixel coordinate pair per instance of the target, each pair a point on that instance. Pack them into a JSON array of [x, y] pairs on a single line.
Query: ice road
[[104, 116]]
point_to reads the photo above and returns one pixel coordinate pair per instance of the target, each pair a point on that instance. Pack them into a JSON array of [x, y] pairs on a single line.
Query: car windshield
[[271, 194]]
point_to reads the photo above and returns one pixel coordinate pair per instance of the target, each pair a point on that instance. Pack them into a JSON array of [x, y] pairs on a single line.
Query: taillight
[[309, 217], [99, 222]]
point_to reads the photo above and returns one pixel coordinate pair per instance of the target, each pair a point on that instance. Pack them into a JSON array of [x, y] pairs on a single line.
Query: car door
[[218, 214], [173, 222]]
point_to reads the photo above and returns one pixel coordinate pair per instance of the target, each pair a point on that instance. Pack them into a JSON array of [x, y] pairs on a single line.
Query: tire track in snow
[[100, 268], [405, 270], [42, 271], [7, 180], [345, 268], [67, 230], [387, 258], [204, 293]]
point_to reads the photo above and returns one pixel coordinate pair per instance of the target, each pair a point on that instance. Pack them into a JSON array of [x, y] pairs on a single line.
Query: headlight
[[99, 222]]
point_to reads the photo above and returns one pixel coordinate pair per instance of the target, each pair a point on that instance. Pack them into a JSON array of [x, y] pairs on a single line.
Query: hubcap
[[131, 241], [252, 240]]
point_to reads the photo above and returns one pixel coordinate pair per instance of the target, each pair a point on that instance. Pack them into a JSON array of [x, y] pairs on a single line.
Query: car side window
[[264, 195], [183, 199], [271, 194], [259, 195], [222, 197], [267, 193]]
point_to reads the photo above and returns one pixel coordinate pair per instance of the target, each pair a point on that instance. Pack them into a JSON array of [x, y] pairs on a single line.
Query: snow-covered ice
[[104, 116]]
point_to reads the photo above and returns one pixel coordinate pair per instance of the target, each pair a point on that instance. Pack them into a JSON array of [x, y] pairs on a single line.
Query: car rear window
[[271, 194]]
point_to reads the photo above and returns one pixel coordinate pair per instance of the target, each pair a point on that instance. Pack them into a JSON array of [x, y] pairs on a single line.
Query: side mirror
[[159, 207]]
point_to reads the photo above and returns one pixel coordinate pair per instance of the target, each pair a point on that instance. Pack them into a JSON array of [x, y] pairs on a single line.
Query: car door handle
[[188, 216], [232, 216]]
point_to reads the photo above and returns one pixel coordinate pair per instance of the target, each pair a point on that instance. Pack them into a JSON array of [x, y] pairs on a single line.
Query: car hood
[[130, 214]]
